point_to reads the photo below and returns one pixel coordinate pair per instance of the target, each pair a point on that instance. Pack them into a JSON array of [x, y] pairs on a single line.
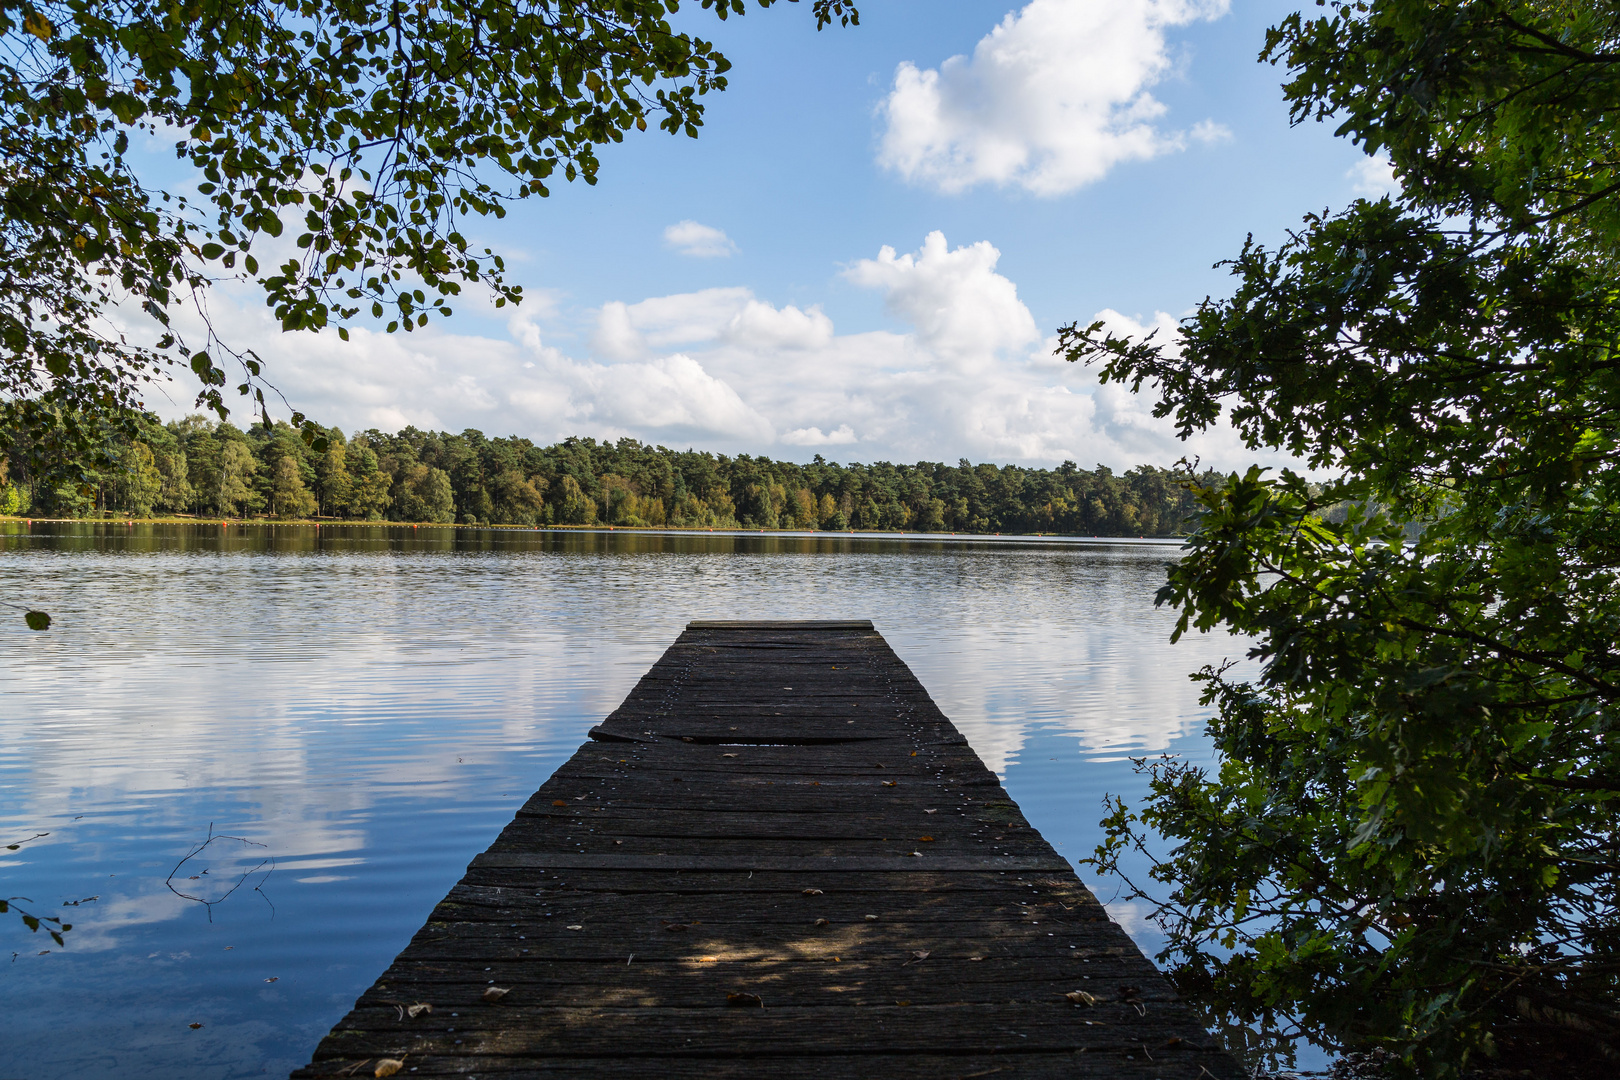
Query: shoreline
[[648, 530]]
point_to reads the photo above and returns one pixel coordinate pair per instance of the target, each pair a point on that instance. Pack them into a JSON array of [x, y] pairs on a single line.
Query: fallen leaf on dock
[[812, 892], [820, 922], [891, 783], [745, 1001], [493, 994], [413, 1011], [1080, 997], [559, 802], [871, 918], [388, 1066], [921, 954], [925, 839], [674, 927], [930, 811], [576, 926], [728, 755]]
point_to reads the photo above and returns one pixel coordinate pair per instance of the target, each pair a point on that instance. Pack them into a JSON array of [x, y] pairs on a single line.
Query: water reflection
[[371, 704]]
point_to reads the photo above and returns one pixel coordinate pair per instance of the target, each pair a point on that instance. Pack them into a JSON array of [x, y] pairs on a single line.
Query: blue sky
[[867, 251]]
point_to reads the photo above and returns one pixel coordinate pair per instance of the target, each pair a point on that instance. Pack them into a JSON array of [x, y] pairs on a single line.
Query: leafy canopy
[[340, 147], [1410, 841]]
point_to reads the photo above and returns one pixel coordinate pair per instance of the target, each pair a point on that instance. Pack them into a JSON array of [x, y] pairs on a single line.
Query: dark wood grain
[[777, 857]]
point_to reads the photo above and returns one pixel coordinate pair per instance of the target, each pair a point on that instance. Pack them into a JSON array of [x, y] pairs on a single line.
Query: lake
[[354, 712]]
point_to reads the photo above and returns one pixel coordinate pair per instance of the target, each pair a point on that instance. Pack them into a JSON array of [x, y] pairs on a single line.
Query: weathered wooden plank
[[1010, 1061], [778, 816], [801, 864], [786, 1031], [780, 624], [652, 982]]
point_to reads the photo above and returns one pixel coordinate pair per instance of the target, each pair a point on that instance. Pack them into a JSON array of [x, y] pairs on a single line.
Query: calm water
[[367, 707]]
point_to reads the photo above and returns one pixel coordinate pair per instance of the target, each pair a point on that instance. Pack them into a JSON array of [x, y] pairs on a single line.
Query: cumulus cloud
[[760, 325], [1051, 99], [667, 394], [814, 436], [700, 241], [626, 331], [961, 308], [1373, 178], [967, 374]]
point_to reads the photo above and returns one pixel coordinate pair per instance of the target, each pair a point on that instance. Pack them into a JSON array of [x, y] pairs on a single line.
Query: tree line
[[199, 466]]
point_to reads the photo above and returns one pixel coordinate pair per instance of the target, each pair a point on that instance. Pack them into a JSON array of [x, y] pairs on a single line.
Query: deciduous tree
[[339, 149], [1411, 838]]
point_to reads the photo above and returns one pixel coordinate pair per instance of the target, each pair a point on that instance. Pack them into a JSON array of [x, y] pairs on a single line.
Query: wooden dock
[[776, 858]]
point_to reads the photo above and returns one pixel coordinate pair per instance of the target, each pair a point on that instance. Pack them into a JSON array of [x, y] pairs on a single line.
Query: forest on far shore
[[207, 468]]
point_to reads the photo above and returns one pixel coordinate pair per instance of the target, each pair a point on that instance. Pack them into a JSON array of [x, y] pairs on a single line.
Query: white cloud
[[962, 309], [700, 241], [1373, 178], [760, 325], [627, 331], [1051, 99], [967, 375], [814, 436], [672, 393]]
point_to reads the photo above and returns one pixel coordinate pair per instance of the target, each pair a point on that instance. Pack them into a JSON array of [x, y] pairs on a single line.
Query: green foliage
[[37, 620], [1410, 841], [345, 144], [417, 475]]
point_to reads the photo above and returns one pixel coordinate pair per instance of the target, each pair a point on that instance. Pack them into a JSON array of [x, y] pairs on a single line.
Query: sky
[[867, 252]]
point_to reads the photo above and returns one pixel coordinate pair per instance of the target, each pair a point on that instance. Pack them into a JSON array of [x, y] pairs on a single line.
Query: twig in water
[[200, 848]]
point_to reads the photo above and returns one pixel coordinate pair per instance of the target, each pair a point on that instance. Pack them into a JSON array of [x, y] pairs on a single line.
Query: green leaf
[[37, 620]]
